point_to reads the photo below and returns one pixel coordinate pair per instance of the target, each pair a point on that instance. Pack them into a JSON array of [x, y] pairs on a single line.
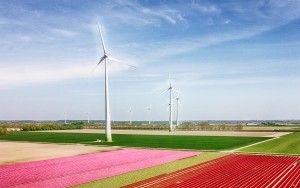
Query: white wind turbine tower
[[170, 89], [130, 115], [149, 114], [88, 117], [177, 111], [65, 115], [105, 59]]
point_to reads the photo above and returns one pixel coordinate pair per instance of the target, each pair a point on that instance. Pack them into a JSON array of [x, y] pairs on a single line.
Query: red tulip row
[[235, 170]]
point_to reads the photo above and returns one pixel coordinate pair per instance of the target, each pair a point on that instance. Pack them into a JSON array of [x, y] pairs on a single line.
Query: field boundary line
[[265, 153], [251, 145], [157, 148], [255, 143]]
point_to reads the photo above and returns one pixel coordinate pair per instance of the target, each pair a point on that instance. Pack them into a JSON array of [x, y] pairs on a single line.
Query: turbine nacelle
[[106, 55]]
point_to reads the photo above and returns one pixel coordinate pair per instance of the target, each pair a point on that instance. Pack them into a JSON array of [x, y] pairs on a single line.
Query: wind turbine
[[105, 59], [149, 113], [170, 89]]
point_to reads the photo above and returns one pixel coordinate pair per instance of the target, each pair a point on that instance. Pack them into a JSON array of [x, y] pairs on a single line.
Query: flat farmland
[[147, 141], [232, 171], [288, 144], [16, 152]]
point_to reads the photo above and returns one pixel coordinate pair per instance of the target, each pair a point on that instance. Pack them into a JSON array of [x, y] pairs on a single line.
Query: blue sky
[[229, 59]]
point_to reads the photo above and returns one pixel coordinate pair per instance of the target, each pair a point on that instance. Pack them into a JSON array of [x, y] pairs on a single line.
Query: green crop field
[[150, 141], [288, 144]]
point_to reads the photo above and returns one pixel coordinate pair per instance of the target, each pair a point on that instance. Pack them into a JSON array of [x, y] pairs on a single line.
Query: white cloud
[[242, 81], [132, 12], [64, 32], [24, 38], [23, 75], [227, 21], [176, 47], [170, 15], [272, 11], [206, 9]]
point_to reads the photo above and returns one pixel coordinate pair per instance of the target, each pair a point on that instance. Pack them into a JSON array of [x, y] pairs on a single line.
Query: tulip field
[[232, 171], [70, 171], [148, 160]]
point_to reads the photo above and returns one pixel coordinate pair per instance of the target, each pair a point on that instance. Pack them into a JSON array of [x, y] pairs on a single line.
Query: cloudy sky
[[229, 60]]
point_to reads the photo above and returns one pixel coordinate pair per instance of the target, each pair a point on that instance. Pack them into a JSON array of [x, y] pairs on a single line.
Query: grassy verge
[[131, 177], [148, 141], [288, 144]]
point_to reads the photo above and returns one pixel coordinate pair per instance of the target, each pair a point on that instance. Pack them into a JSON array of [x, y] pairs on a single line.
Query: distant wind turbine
[[65, 115], [105, 59], [88, 117], [130, 115], [149, 114]]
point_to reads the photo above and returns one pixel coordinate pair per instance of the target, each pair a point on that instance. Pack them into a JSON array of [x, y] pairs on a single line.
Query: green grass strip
[[131, 177], [288, 144], [147, 141]]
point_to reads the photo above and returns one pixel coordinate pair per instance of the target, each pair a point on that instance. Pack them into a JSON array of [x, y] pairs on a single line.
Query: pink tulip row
[[68, 171]]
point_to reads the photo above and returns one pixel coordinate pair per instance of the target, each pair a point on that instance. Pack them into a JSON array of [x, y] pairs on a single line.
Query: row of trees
[[207, 127], [197, 126], [203, 126], [42, 127], [127, 125]]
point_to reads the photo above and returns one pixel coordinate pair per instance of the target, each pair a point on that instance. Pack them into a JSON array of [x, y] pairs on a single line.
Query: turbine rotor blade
[[102, 59], [102, 40], [176, 91], [165, 91], [118, 61]]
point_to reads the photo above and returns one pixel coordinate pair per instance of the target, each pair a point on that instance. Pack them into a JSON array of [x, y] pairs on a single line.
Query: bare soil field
[[194, 133], [13, 152]]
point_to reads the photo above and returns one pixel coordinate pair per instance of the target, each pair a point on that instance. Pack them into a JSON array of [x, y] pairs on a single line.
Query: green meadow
[[147, 141], [288, 144]]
